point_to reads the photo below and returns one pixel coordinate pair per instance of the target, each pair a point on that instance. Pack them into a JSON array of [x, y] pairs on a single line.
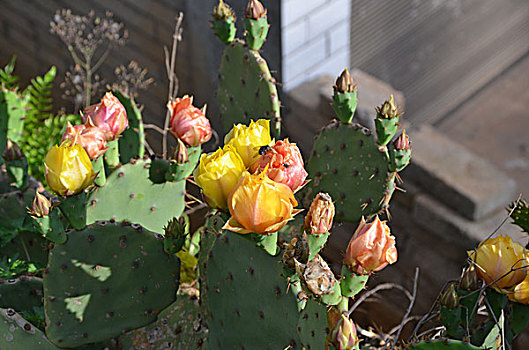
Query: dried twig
[[408, 311], [377, 289]]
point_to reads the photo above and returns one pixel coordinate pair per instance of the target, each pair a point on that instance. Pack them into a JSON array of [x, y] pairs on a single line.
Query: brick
[[294, 36], [339, 36], [294, 10], [325, 18], [331, 65], [304, 58], [456, 177]]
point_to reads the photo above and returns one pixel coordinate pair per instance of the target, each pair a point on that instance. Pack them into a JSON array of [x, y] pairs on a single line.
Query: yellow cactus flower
[[500, 261], [217, 175], [521, 291], [248, 139], [68, 169], [260, 205]]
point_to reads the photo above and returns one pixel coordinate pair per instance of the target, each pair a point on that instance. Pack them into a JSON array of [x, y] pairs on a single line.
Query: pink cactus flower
[[285, 164], [109, 115], [89, 136], [188, 123]]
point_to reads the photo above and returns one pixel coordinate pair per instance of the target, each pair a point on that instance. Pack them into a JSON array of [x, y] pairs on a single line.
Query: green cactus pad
[[17, 333], [179, 326], [451, 319], [386, 128], [21, 294], [256, 31], [520, 214], [177, 172], [344, 104], [399, 159], [107, 278], [74, 209], [444, 344], [246, 292], [347, 164], [13, 214], [247, 90], [316, 243], [51, 227], [132, 141], [225, 29], [519, 317], [12, 111], [17, 171], [25, 244], [99, 169], [157, 170], [312, 325], [352, 283], [111, 155], [130, 195]]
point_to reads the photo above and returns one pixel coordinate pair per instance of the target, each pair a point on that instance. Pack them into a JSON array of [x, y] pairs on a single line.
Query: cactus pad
[[130, 195], [17, 333], [444, 344], [12, 111], [312, 326], [21, 294], [347, 164], [13, 214], [520, 214], [246, 89], [132, 141], [107, 278]]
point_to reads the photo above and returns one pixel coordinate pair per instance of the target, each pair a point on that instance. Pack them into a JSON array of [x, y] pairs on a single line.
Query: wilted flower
[[180, 153], [188, 123], [247, 140], [318, 276], [285, 164], [109, 115], [260, 205], [40, 206], [371, 248], [321, 213], [217, 175], [499, 262], [344, 83], [223, 11], [343, 336], [68, 169], [89, 136]]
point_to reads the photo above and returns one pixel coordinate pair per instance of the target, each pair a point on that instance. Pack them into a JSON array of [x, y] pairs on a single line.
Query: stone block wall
[[315, 39]]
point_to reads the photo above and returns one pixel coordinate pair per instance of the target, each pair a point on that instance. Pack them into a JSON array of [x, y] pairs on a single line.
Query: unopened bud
[[449, 297], [40, 206], [180, 154], [175, 235], [402, 143], [344, 83], [320, 215], [223, 11], [470, 279], [388, 109], [343, 335], [255, 10], [12, 152]]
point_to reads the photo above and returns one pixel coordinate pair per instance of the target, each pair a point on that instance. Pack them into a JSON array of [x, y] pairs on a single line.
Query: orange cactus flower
[[188, 123], [89, 136], [109, 115]]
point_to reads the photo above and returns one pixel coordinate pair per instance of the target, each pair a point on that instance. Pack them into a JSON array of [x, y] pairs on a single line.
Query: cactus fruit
[[246, 88], [255, 25], [17, 333], [349, 151], [223, 22], [400, 153], [130, 195], [387, 121], [352, 283], [345, 97], [92, 286]]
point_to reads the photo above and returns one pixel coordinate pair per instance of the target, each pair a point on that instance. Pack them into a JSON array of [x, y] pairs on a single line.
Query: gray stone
[[458, 178]]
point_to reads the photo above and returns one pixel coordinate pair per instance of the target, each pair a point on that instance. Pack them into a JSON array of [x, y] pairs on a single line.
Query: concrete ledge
[[458, 178]]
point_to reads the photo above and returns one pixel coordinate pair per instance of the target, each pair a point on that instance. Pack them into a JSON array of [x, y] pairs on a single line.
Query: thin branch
[[102, 59], [408, 311], [153, 127], [195, 208], [378, 288]]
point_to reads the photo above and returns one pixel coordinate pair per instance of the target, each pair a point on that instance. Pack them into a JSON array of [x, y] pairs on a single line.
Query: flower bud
[[402, 143], [344, 83], [284, 164], [223, 11], [371, 248], [188, 123], [89, 136], [343, 336], [321, 213], [248, 140], [388, 110], [469, 279], [260, 205], [40, 206], [255, 10], [217, 174], [449, 297], [68, 169], [180, 154], [12, 152], [521, 293], [175, 235], [500, 262], [109, 115]]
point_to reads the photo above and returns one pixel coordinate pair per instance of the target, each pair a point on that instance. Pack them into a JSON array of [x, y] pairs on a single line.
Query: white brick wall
[[315, 39]]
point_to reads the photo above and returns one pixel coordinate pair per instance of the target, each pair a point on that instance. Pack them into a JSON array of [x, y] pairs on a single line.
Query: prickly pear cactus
[[21, 294], [106, 278], [12, 110], [17, 333], [130, 195], [348, 151], [246, 88], [520, 214], [132, 141], [444, 344]]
